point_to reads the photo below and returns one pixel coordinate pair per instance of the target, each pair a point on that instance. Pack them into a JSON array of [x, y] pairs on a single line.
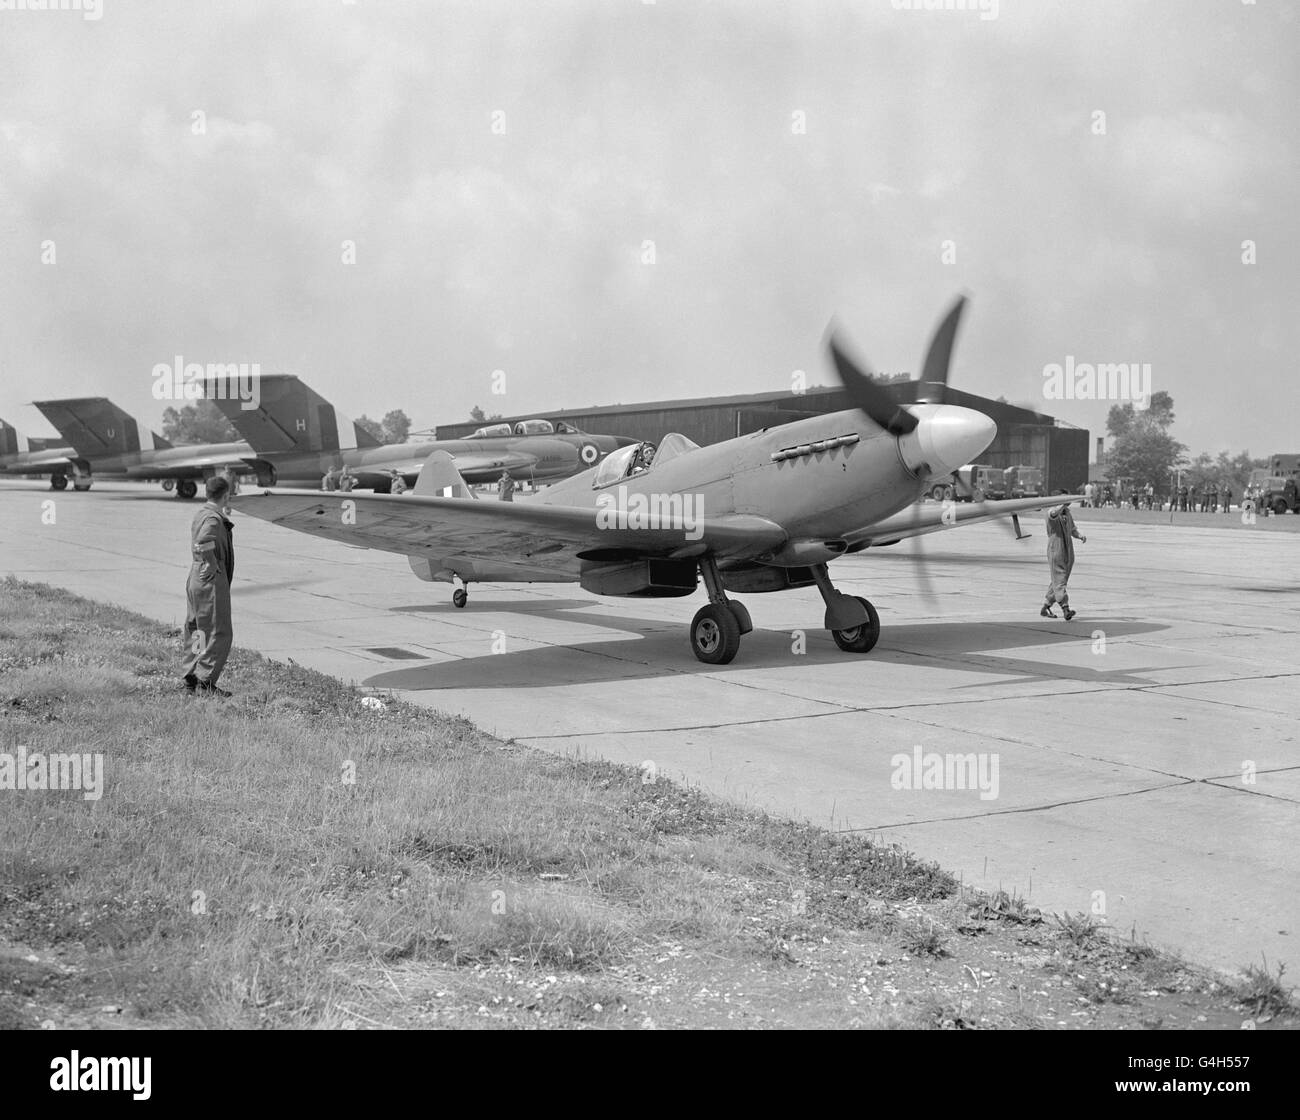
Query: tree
[[1144, 451], [200, 422], [397, 426]]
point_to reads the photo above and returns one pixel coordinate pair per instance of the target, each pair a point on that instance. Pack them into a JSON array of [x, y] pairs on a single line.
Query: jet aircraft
[[763, 512], [108, 441], [299, 435], [20, 454]]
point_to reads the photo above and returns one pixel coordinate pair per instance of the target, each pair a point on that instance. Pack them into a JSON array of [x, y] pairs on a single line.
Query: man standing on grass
[[1060, 556], [208, 631]]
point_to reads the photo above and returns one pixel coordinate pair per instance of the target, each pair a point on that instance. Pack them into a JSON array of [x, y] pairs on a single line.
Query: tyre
[[938, 493], [459, 597], [59, 482], [860, 639], [186, 488], [715, 634], [1280, 507]]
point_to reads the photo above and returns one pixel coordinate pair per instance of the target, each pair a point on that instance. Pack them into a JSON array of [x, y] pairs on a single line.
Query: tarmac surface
[[1146, 756]]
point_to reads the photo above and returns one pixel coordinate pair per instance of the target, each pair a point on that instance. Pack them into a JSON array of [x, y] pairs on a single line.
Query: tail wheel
[[860, 639], [459, 597], [715, 634]]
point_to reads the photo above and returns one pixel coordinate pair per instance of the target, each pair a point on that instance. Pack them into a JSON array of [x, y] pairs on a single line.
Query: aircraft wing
[[935, 517], [194, 464], [543, 536]]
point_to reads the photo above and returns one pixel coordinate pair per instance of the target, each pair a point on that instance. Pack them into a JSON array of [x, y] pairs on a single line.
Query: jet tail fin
[[12, 441], [95, 426], [439, 478], [287, 414]]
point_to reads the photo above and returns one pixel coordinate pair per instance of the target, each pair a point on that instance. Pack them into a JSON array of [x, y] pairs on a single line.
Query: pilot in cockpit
[[643, 459]]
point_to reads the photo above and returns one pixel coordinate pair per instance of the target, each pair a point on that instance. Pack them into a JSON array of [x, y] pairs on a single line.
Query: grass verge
[[305, 855]]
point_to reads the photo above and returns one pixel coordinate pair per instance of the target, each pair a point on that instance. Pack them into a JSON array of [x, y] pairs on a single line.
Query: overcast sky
[[500, 168]]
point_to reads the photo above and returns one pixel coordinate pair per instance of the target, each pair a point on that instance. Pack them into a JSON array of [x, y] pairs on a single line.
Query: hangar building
[[1025, 438]]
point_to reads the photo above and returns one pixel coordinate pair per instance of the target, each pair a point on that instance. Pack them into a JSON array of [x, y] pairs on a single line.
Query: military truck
[[1022, 482], [1279, 494], [971, 483]]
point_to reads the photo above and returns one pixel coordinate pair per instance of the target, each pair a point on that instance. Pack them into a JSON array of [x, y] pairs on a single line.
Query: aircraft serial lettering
[[651, 511]]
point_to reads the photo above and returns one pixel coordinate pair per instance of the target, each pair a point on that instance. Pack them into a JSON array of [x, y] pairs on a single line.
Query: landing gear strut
[[716, 629], [851, 619]]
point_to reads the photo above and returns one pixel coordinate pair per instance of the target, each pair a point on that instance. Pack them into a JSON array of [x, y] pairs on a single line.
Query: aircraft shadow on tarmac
[[660, 649]]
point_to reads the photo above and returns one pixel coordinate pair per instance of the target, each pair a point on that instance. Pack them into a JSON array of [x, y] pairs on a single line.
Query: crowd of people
[[1208, 497]]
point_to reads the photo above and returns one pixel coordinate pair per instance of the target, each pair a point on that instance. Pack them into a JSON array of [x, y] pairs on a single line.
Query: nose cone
[[947, 437]]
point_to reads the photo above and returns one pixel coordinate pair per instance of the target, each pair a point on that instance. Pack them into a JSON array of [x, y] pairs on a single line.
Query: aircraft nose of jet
[[948, 436]]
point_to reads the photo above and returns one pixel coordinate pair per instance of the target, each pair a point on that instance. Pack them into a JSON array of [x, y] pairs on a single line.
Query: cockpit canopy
[[639, 458], [492, 431], [534, 428]]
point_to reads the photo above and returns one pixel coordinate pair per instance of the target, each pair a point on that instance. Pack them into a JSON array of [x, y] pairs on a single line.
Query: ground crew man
[[347, 480], [330, 481], [506, 487], [208, 631], [1225, 499], [1060, 557], [398, 485]]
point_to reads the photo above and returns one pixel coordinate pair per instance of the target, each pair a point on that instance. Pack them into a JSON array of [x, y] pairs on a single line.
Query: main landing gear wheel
[[186, 488], [715, 634], [459, 597], [860, 639], [59, 482]]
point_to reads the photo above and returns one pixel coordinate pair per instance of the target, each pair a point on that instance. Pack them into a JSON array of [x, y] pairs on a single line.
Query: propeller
[[933, 388], [868, 396]]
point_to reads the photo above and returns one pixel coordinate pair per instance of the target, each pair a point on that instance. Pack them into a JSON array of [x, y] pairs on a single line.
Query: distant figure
[[208, 630], [506, 487], [1087, 494], [347, 480], [1149, 496], [1107, 496], [1060, 557], [330, 481], [398, 485], [1225, 499], [1182, 499]]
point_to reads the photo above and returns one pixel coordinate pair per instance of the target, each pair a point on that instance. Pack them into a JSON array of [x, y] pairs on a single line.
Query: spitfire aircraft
[[109, 441], [20, 454], [299, 436], [763, 512]]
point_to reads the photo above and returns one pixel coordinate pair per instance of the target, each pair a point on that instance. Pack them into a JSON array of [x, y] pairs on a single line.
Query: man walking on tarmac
[[208, 632], [1060, 557]]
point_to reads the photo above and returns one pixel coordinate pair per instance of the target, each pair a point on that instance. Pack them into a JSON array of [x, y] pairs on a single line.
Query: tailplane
[[287, 415]]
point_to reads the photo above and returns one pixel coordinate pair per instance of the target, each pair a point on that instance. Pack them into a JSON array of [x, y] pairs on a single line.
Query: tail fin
[[95, 426], [288, 415], [12, 441], [439, 478]]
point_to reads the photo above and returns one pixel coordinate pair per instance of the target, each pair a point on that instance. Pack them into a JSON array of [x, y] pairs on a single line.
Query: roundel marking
[[590, 453]]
